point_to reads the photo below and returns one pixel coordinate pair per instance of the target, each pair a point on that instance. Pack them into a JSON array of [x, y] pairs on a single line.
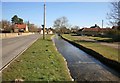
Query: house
[[90, 31], [94, 31], [41, 31], [20, 28], [103, 31], [79, 32], [50, 31], [47, 31]]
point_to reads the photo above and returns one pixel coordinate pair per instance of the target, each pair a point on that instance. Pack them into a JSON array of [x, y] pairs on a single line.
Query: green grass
[[105, 39], [106, 51], [40, 62]]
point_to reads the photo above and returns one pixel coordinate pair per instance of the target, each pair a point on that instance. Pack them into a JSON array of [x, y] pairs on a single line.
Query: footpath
[[11, 35]]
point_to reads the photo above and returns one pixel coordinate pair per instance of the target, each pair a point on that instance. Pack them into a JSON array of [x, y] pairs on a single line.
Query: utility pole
[[28, 24], [102, 23], [44, 20], [118, 14]]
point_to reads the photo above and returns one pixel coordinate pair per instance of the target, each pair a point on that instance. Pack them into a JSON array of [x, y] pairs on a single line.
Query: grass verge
[[107, 61], [40, 62], [103, 39], [106, 51]]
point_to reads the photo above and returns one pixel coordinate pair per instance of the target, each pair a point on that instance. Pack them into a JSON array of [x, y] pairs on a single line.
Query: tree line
[[7, 26], [62, 26], [16, 20]]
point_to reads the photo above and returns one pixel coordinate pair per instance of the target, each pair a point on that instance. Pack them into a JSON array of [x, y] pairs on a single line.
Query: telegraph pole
[[102, 23], [119, 13], [44, 20]]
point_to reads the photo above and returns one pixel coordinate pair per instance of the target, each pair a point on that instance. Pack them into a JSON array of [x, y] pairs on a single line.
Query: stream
[[82, 66]]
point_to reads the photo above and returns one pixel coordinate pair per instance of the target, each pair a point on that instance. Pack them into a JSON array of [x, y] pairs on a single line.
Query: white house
[[47, 31], [41, 32]]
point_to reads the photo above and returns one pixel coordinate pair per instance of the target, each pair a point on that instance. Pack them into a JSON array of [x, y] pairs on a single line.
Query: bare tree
[[74, 29], [114, 15], [6, 25], [33, 28], [60, 24]]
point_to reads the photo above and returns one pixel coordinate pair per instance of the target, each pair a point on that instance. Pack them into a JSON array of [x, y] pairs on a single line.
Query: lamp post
[[44, 20]]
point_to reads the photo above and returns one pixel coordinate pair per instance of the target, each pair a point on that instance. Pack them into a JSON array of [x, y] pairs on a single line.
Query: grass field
[[104, 39], [40, 62], [106, 51]]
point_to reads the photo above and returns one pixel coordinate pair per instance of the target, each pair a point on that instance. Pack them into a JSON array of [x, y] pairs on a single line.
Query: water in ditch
[[82, 66]]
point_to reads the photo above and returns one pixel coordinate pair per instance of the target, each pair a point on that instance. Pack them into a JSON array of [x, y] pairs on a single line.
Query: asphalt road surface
[[11, 47], [82, 66]]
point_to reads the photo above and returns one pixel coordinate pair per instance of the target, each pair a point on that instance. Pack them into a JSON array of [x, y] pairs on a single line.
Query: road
[[11, 47], [82, 66]]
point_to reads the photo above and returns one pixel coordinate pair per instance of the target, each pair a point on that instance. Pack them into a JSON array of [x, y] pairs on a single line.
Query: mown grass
[[40, 62], [106, 51], [104, 39]]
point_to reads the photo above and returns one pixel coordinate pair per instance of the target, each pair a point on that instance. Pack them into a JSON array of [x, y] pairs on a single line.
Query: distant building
[[20, 27], [90, 31], [41, 32], [93, 31], [103, 31], [50, 31], [47, 31]]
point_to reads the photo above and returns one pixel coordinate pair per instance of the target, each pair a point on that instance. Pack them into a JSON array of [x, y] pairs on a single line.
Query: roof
[[105, 29], [21, 26], [96, 29], [91, 29]]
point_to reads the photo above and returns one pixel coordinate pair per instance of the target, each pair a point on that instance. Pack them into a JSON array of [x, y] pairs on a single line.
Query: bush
[[114, 34]]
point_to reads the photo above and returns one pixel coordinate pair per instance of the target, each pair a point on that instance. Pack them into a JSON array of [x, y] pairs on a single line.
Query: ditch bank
[[108, 62]]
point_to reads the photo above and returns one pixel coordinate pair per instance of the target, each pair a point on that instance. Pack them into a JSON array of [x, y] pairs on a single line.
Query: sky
[[58, 0], [83, 14]]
